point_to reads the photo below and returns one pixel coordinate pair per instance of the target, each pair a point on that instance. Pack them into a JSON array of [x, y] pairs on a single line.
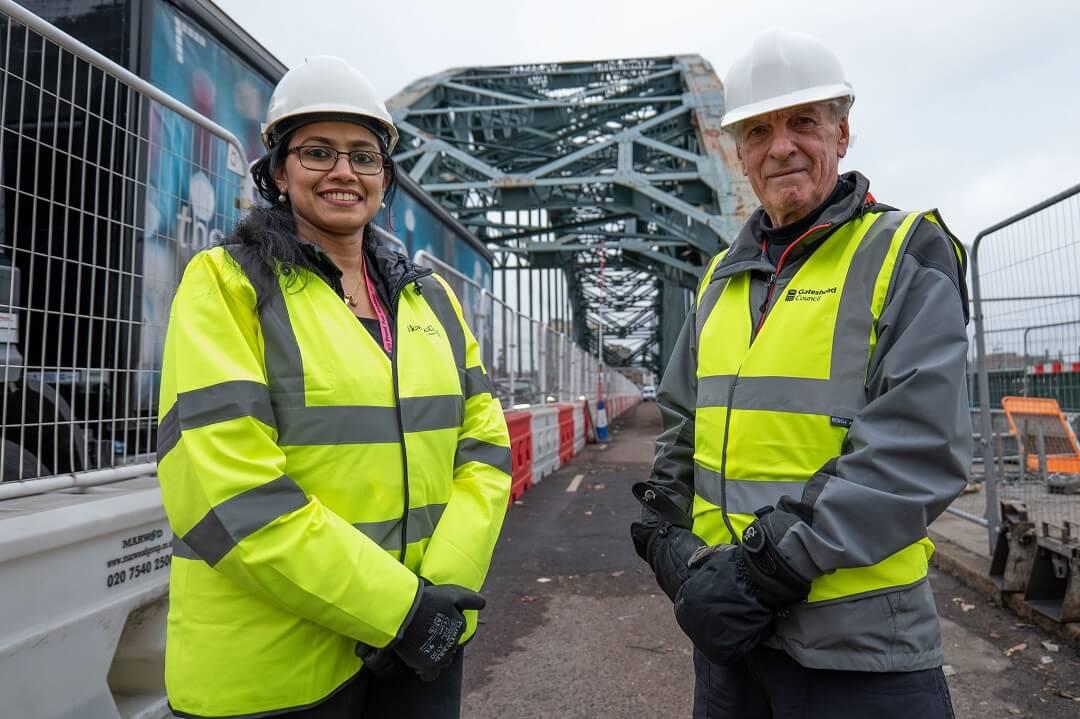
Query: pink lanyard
[[384, 324]]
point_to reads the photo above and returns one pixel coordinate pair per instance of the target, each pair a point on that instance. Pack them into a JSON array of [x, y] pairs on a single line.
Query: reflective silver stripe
[[284, 366], [477, 382], [713, 391], [182, 550], [168, 433], [422, 414], [438, 299], [305, 426], [744, 496], [776, 394], [387, 534], [849, 634], [709, 299], [851, 338], [210, 405], [228, 523], [476, 450]]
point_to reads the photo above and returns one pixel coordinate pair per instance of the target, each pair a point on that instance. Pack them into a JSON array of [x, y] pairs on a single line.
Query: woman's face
[[338, 199]]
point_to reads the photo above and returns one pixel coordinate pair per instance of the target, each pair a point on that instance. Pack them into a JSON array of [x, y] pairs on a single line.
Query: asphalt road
[[575, 626]]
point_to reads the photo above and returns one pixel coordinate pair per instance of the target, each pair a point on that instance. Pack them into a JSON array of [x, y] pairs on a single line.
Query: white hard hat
[[781, 69], [325, 84]]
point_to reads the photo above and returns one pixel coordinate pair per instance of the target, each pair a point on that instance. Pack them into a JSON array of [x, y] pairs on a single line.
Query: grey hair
[[840, 106]]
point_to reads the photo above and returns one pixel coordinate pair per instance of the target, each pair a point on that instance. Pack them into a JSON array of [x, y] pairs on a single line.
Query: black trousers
[[769, 684], [404, 697]]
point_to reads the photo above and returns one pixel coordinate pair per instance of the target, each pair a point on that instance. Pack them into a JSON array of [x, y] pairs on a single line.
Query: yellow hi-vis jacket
[[310, 479], [772, 411], [829, 385]]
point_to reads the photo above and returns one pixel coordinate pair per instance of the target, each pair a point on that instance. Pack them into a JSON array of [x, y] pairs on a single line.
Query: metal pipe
[[77, 480], [968, 516]]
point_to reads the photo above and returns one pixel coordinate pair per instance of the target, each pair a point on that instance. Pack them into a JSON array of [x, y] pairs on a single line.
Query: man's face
[[791, 158]]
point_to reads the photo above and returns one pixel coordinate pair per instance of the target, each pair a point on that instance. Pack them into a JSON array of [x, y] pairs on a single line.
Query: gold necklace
[[351, 299]]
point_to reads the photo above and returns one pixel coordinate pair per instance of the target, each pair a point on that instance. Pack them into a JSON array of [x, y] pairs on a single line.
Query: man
[[815, 422]]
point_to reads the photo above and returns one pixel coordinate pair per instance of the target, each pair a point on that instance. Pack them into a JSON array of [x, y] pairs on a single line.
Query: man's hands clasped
[[726, 596]]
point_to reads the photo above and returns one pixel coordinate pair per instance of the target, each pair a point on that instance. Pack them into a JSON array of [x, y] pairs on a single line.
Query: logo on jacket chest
[[430, 330], [808, 294]]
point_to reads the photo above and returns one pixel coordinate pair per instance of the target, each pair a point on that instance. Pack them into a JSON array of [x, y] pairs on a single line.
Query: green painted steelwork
[[553, 164]]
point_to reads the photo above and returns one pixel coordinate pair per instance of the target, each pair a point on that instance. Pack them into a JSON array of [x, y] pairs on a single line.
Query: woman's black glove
[[384, 663], [431, 637]]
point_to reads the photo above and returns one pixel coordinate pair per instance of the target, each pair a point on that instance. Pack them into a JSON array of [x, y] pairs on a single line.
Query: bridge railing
[[531, 363]]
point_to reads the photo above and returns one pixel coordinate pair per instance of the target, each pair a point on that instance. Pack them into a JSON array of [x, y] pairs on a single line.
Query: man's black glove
[[727, 604], [431, 637], [773, 578], [663, 538]]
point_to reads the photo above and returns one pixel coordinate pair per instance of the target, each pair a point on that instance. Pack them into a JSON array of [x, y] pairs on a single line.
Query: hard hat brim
[[268, 129], [782, 102]]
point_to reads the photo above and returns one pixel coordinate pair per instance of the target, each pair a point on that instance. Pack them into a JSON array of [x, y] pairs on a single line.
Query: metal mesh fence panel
[[107, 189], [1026, 281], [501, 367]]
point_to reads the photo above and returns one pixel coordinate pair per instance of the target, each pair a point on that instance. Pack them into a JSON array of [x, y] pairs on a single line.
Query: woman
[[332, 461]]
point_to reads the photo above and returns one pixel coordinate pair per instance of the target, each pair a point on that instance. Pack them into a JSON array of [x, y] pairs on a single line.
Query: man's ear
[[844, 140]]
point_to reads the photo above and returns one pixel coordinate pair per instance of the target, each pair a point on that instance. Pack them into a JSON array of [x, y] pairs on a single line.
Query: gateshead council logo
[[808, 294]]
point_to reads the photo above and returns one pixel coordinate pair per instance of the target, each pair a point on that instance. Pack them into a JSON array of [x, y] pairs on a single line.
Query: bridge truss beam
[[552, 165]]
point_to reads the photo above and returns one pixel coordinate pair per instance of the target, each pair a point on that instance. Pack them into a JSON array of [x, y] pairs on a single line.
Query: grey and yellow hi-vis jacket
[[845, 405], [310, 479]]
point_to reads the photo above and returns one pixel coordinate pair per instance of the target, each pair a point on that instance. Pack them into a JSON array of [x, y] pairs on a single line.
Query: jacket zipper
[[763, 310], [735, 538], [772, 278], [394, 297]]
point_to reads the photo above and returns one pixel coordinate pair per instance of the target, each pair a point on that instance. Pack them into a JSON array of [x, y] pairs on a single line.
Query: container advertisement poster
[[194, 178]]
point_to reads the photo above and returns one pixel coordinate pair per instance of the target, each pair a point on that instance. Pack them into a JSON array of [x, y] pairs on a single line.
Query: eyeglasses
[[324, 159]]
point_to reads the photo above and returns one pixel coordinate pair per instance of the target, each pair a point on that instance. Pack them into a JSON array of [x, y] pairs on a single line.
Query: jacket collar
[[391, 270], [746, 253]]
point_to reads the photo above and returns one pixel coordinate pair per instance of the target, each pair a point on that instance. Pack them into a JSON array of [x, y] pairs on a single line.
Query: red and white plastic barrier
[[521, 452], [579, 426], [566, 433], [1054, 368], [545, 429], [542, 439]]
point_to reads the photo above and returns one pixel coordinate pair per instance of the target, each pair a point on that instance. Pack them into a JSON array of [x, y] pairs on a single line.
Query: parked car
[[648, 393]]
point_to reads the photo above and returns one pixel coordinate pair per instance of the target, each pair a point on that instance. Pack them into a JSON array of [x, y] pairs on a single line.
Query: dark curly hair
[[267, 235]]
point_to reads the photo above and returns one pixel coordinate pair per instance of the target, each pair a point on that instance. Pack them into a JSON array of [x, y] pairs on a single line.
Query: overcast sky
[[971, 107]]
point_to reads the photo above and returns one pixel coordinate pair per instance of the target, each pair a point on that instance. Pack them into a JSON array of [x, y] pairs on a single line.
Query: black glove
[[431, 637], [663, 537], [718, 609], [773, 579], [383, 663], [727, 605]]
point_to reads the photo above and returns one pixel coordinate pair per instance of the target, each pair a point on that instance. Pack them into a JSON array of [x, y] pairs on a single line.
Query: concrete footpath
[[576, 627]]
